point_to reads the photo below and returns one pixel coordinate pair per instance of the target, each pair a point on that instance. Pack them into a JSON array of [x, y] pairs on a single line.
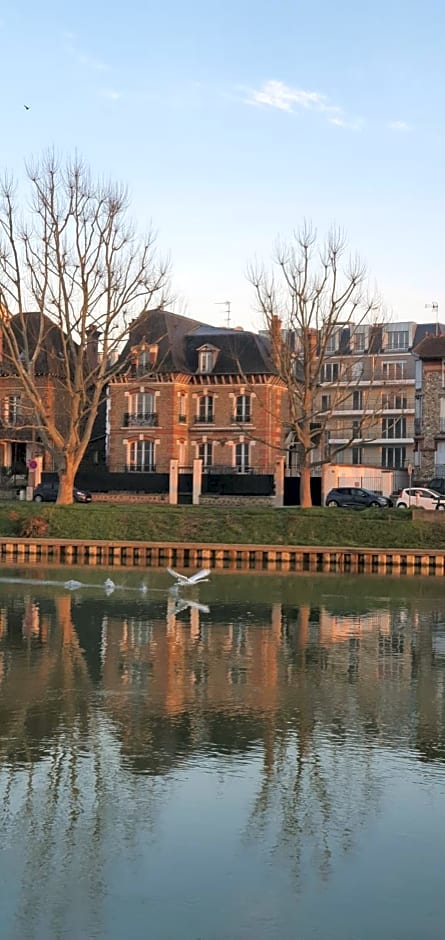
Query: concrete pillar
[[197, 480], [173, 483], [279, 482]]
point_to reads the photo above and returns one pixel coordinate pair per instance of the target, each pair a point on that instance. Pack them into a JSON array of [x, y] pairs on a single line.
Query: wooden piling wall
[[229, 557]]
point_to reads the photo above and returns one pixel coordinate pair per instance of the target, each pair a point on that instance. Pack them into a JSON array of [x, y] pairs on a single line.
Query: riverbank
[[190, 524]]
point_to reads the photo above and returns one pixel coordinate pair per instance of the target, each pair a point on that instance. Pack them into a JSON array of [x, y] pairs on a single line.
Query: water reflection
[[279, 711]]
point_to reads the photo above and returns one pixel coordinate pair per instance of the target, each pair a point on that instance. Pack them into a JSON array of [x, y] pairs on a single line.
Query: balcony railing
[[242, 418], [441, 425], [204, 419], [140, 468], [142, 419], [182, 419]]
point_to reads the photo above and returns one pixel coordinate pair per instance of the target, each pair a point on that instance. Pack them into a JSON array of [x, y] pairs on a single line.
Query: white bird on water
[[109, 586], [181, 579]]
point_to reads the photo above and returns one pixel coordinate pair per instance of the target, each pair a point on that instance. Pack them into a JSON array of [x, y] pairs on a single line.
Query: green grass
[[370, 528]]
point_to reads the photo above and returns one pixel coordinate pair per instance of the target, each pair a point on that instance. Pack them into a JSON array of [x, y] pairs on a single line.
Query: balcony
[[204, 419], [182, 419], [242, 418], [140, 420], [140, 468]]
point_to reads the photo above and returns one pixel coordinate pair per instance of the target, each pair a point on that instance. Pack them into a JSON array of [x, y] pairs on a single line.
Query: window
[[393, 458], [142, 413], [356, 429], [357, 371], [330, 372], [325, 402], [242, 457], [12, 409], [357, 401], [393, 402], [182, 409], [141, 456], [398, 339], [143, 362], [359, 341], [205, 410], [332, 343], [418, 369], [394, 427], [206, 359], [242, 410], [356, 455], [205, 453], [392, 371], [442, 414]]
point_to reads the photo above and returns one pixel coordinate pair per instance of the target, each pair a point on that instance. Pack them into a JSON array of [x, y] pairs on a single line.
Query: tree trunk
[[66, 484], [305, 488]]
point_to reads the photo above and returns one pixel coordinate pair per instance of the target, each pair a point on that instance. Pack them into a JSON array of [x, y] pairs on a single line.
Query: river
[[267, 761]]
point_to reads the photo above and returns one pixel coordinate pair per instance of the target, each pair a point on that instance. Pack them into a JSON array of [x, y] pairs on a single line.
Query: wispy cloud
[[354, 124], [399, 126], [90, 62], [279, 95], [111, 94], [276, 94]]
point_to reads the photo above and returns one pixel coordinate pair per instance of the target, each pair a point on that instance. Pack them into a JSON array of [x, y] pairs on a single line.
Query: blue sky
[[233, 120]]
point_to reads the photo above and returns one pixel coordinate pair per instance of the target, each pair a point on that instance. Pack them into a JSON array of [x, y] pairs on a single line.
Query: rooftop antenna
[[226, 304], [434, 306]]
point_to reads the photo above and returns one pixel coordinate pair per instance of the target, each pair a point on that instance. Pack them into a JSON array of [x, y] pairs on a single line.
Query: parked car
[[355, 497], [438, 485], [47, 493], [421, 497]]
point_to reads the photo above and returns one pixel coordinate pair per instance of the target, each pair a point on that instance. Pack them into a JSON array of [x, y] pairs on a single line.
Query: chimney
[[92, 347], [275, 338]]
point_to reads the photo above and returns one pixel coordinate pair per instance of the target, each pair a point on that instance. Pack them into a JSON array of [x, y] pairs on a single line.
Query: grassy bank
[[371, 528]]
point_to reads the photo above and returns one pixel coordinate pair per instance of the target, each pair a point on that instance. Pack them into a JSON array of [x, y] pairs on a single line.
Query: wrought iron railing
[[204, 419], [140, 468], [140, 419]]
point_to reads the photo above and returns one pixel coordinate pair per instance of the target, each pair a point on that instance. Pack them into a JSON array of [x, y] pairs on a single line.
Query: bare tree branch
[[70, 280]]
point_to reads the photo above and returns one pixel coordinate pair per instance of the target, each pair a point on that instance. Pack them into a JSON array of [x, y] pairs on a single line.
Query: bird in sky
[[26, 107]]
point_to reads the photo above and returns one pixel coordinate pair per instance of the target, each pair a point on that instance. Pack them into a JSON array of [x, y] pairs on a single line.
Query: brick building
[[189, 390], [20, 438]]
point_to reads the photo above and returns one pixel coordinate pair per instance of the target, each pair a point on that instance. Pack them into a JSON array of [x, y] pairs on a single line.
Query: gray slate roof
[[179, 338]]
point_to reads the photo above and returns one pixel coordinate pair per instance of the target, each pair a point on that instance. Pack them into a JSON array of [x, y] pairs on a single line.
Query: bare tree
[[316, 307], [72, 274]]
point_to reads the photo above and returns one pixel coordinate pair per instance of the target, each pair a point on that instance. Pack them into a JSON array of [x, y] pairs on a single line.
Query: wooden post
[[197, 481], [173, 483], [278, 477]]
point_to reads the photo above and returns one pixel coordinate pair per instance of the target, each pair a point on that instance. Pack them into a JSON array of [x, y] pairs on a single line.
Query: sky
[[232, 121]]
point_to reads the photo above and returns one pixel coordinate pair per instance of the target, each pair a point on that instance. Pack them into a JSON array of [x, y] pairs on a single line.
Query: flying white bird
[[181, 579]]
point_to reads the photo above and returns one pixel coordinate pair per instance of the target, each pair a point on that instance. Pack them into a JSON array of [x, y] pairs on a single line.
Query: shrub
[[35, 527]]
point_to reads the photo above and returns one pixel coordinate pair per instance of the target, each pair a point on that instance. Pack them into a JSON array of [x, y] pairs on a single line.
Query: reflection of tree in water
[[97, 712], [60, 776], [315, 795]]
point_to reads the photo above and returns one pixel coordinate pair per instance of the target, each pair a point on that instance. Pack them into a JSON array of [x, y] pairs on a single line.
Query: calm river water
[[269, 766]]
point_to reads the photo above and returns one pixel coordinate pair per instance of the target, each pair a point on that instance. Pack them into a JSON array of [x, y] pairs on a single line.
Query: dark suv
[[438, 485], [355, 497], [47, 493]]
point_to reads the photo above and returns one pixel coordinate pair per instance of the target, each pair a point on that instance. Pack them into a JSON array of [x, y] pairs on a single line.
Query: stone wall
[[131, 498], [432, 392], [235, 501]]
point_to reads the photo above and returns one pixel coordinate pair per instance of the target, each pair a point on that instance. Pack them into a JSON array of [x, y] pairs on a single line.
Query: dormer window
[[206, 358], [145, 359]]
